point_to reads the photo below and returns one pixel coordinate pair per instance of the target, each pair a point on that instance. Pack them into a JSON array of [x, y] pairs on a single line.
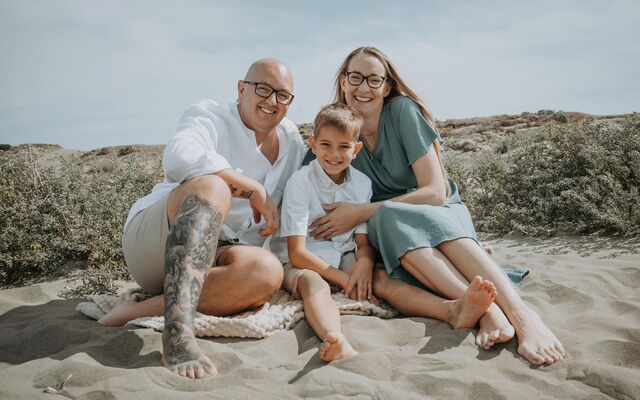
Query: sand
[[586, 289]]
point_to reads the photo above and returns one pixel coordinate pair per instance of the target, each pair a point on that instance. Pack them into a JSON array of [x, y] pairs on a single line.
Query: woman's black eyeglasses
[[374, 81]]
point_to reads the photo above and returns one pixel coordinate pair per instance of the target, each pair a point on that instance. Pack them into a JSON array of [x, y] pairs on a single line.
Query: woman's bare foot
[[494, 328], [336, 347], [536, 341], [120, 314], [467, 310], [182, 355]]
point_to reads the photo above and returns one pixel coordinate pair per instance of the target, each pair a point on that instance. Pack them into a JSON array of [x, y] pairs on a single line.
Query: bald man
[[198, 238]]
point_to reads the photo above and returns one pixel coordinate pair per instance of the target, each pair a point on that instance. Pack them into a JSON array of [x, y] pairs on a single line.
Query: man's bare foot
[[119, 315], [467, 310], [336, 347], [537, 343], [183, 356], [494, 328]]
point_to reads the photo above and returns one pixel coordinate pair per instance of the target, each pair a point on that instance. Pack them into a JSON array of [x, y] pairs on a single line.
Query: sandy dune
[[587, 289]]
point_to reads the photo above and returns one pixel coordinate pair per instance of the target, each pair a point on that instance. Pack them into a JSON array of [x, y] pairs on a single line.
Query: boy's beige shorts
[[293, 274], [143, 245]]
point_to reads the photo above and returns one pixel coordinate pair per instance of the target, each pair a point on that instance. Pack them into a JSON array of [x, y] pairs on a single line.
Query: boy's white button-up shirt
[[211, 138], [307, 190]]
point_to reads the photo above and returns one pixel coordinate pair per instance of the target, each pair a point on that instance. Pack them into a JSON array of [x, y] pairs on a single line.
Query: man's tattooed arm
[[244, 194]]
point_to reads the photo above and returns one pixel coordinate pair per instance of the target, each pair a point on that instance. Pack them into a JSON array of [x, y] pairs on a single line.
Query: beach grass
[[576, 178]]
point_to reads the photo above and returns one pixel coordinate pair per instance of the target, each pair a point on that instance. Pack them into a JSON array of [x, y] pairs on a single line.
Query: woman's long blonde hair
[[398, 88]]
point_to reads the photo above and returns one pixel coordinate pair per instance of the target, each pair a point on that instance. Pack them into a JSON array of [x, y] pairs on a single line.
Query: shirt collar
[[283, 138], [324, 179]]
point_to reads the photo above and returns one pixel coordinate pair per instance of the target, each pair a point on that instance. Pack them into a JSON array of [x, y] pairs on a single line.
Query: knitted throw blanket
[[282, 312]]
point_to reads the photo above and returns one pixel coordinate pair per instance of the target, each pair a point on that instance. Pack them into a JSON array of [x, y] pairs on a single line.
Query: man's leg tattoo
[[190, 252]]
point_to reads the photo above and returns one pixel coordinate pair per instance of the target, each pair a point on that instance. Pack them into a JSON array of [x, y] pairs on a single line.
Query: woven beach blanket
[[282, 312]]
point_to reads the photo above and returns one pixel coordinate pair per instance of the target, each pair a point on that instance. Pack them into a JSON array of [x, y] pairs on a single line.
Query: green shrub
[[575, 178], [53, 216]]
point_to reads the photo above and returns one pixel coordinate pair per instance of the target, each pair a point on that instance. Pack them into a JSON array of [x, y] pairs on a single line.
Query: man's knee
[[210, 188], [264, 277], [311, 283], [270, 271]]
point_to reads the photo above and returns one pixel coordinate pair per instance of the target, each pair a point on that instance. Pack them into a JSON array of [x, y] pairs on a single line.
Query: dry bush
[[578, 178], [54, 216]]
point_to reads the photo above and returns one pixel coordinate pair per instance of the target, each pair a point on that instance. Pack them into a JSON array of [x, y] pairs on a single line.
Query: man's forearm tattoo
[[245, 194], [190, 252]]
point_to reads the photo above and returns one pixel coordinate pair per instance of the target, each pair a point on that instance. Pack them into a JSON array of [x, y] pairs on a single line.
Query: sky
[[86, 74]]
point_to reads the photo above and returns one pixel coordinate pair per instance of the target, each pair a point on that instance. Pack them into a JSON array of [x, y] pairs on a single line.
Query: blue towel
[[515, 274]]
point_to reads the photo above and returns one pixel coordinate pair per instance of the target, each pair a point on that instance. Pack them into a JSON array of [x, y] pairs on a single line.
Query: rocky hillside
[[460, 135]]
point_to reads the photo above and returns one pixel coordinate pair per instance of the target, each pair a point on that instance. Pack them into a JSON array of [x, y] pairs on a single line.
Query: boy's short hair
[[341, 117]]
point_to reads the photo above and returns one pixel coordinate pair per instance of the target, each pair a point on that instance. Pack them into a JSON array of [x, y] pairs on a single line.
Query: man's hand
[[262, 205]]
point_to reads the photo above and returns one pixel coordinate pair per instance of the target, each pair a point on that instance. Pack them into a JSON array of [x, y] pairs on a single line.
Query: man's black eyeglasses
[[374, 81], [264, 90]]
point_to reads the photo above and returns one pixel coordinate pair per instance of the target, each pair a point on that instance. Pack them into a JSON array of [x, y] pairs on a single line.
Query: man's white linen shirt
[[212, 138], [308, 189]]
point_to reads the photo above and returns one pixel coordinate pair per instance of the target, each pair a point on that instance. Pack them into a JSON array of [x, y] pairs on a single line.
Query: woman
[[416, 219]]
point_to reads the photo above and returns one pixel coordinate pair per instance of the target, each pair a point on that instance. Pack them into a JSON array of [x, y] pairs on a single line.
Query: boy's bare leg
[[536, 341], [434, 270], [323, 316], [413, 301]]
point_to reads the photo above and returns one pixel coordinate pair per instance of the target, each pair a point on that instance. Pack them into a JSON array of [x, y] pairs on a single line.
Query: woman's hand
[[341, 218]]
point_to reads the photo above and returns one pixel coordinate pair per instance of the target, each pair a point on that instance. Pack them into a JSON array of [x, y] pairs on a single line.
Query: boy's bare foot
[[182, 354], [537, 343], [467, 310], [336, 347], [494, 328], [119, 315]]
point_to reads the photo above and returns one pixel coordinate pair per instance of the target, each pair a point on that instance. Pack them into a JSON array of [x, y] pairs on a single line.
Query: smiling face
[[334, 150], [259, 114], [365, 100]]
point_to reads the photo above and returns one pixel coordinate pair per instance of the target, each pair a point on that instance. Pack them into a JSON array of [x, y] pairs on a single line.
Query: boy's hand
[[359, 286]]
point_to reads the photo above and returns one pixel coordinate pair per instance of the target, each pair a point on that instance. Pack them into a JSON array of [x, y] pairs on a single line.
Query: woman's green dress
[[404, 135]]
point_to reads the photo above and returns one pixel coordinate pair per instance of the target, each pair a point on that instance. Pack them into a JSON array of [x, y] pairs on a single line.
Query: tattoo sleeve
[[190, 252]]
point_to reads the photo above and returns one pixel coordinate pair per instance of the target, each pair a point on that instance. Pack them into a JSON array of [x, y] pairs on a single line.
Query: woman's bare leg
[[434, 270], [413, 301], [536, 341]]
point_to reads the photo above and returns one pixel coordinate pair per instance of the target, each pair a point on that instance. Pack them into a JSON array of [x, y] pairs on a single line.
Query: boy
[[345, 260]]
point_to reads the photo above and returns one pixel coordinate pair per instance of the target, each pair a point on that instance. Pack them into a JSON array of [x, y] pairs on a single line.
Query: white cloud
[[86, 73]]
